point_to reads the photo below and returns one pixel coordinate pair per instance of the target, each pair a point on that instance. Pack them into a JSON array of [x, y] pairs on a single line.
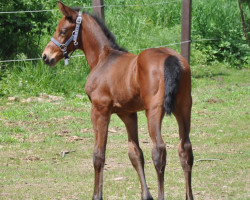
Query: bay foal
[[158, 80]]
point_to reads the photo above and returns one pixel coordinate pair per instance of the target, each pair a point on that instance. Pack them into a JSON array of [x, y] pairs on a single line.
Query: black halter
[[73, 37]]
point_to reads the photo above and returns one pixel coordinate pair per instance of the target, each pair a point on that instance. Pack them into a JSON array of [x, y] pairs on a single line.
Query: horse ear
[[66, 11]]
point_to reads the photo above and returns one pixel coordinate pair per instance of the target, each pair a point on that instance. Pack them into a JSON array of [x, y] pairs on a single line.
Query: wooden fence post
[[186, 28], [98, 8], [243, 22]]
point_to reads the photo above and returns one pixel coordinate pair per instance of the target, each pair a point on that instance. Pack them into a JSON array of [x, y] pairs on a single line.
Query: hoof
[[147, 197], [190, 197], [96, 198]]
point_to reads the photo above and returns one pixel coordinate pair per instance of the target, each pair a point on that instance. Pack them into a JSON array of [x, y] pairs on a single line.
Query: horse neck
[[94, 41]]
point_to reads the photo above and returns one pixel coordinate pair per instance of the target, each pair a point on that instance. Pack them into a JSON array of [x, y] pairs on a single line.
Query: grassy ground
[[35, 131]]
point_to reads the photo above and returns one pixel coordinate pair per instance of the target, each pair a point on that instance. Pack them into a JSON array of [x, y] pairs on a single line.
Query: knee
[[98, 159], [186, 153], [159, 156], [159, 150], [134, 152]]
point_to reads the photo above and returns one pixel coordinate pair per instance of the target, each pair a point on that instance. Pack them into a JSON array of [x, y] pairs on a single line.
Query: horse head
[[64, 39]]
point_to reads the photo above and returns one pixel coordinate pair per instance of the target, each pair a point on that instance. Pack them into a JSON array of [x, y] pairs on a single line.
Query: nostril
[[44, 57], [52, 61]]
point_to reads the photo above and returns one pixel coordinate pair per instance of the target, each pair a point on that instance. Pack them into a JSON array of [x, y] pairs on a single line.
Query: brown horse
[[158, 80]]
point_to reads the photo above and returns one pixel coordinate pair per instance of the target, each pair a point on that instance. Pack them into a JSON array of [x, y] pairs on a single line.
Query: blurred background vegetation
[[24, 35]]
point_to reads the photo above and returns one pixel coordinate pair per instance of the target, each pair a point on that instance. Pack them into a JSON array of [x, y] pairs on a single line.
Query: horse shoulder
[[111, 80]]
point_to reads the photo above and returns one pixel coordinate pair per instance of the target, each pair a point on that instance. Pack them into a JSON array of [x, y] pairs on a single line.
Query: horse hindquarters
[[151, 81], [179, 101], [166, 88]]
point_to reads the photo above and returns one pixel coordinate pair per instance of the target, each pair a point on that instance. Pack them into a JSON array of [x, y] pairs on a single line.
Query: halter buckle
[[79, 20]]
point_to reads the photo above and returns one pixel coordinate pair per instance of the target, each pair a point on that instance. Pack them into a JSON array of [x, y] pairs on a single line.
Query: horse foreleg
[[155, 115], [183, 115], [135, 152], [100, 119]]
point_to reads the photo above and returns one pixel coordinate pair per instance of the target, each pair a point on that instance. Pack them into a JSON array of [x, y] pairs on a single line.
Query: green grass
[[33, 135], [36, 78]]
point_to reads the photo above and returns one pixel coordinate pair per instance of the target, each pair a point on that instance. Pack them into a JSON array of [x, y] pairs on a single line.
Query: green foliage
[[21, 32], [135, 23], [220, 20]]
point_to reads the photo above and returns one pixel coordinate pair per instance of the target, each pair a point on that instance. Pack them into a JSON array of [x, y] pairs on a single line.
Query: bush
[[21, 32], [220, 20]]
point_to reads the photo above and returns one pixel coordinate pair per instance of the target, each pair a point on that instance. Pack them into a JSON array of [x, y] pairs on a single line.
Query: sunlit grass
[[34, 134]]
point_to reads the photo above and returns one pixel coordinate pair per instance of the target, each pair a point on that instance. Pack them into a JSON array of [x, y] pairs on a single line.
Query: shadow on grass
[[208, 75], [208, 72]]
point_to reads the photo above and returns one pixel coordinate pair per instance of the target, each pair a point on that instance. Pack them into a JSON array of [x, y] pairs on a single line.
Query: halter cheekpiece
[[73, 38]]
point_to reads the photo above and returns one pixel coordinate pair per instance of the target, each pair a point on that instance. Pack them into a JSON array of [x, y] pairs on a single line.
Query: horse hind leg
[[179, 101], [155, 115], [135, 152], [183, 115]]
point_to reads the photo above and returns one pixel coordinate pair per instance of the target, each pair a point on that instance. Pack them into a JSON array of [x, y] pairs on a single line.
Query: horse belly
[[133, 105]]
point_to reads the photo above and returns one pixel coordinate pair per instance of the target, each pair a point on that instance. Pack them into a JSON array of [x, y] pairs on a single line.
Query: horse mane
[[105, 30]]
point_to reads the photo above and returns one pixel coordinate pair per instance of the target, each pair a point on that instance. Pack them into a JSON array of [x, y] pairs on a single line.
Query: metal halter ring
[[63, 47]]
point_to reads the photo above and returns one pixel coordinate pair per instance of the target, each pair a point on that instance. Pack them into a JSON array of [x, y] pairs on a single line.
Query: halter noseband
[[73, 38]]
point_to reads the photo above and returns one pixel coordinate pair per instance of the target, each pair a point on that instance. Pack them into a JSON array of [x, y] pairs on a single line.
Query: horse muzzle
[[48, 61]]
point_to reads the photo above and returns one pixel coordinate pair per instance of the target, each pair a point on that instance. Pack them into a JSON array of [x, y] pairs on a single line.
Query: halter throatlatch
[[73, 38]]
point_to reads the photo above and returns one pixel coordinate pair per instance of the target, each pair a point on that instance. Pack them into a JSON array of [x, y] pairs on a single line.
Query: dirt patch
[[117, 130], [74, 138], [113, 163], [70, 138], [43, 97], [214, 100], [32, 158], [13, 99], [70, 108], [85, 130]]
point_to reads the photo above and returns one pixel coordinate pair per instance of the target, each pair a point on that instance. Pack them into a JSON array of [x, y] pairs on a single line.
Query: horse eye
[[63, 31]]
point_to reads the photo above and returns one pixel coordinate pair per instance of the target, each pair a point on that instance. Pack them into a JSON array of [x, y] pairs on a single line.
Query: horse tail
[[172, 74]]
